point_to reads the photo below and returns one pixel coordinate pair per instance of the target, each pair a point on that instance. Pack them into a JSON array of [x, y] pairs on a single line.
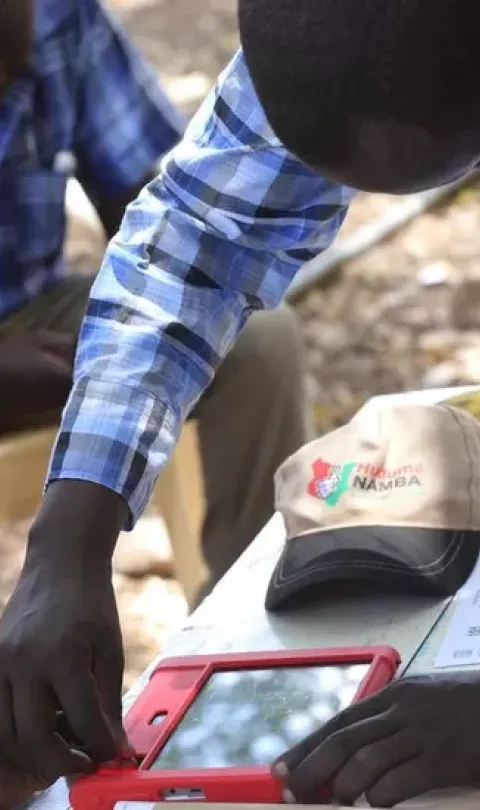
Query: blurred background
[[404, 314]]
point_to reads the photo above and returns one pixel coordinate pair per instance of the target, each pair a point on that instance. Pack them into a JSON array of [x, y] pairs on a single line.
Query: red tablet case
[[171, 690]]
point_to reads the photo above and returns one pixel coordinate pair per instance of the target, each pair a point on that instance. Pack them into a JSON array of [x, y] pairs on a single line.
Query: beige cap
[[392, 497]]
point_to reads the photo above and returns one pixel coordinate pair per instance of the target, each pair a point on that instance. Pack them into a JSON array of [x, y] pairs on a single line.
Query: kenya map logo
[[330, 481]]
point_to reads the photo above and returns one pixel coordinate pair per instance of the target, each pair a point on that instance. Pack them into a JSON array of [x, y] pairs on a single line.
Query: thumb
[[81, 763]]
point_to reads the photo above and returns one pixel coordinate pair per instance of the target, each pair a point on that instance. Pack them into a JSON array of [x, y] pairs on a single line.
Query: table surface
[[228, 622]]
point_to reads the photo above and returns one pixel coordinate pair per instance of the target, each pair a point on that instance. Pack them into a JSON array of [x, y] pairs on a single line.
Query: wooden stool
[[178, 495], [179, 498]]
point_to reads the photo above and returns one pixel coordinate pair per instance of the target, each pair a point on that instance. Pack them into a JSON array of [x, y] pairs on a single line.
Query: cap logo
[[330, 481]]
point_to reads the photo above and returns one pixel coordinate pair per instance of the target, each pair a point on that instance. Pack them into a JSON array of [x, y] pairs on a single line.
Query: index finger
[[358, 712], [80, 700], [49, 755]]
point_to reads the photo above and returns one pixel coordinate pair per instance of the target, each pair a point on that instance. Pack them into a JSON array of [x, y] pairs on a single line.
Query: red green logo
[[330, 481]]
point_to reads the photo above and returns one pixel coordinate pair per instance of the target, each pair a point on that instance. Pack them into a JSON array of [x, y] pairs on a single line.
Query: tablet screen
[[250, 717]]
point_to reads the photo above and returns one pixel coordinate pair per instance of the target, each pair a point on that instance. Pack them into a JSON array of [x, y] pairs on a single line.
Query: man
[[364, 93], [87, 103]]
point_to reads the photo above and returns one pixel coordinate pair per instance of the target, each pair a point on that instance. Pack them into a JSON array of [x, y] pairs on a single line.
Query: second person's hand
[[417, 735]]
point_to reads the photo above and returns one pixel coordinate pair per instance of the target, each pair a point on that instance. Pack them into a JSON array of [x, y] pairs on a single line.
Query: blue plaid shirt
[[86, 95], [219, 234]]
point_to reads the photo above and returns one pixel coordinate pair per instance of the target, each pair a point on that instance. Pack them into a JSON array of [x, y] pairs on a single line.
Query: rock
[[309, 306], [330, 336], [401, 340], [468, 363], [438, 345], [465, 304], [413, 316], [145, 551], [441, 376], [423, 239], [435, 274], [161, 603], [315, 363], [188, 90], [438, 340], [150, 609], [355, 367]]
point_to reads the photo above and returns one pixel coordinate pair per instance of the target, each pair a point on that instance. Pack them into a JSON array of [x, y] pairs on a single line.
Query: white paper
[[56, 798], [136, 805], [461, 645]]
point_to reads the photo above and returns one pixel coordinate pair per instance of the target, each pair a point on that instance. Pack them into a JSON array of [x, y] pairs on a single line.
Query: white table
[[233, 619]]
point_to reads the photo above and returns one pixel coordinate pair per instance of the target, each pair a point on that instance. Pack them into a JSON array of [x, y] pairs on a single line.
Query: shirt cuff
[[116, 436]]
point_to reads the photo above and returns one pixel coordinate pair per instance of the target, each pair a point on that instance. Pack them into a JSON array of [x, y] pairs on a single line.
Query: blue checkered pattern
[[88, 93], [219, 234]]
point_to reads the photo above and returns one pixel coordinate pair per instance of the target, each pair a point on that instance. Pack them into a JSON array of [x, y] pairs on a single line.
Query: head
[[16, 36], [379, 94]]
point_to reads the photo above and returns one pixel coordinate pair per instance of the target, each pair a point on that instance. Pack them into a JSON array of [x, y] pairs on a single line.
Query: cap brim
[[409, 560]]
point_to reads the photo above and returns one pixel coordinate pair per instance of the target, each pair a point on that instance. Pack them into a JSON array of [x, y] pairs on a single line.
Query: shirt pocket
[[40, 218]]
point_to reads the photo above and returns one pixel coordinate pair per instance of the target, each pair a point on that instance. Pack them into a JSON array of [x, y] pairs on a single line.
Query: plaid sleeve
[[125, 122], [219, 234]]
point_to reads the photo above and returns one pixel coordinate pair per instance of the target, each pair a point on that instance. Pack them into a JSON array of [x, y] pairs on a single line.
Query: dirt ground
[[189, 43], [405, 315]]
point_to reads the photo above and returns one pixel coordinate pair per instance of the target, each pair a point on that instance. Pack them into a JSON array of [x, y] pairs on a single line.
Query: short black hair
[[324, 68]]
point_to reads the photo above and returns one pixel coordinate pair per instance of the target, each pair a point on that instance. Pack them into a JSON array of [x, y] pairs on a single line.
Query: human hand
[[35, 377], [417, 735], [61, 647]]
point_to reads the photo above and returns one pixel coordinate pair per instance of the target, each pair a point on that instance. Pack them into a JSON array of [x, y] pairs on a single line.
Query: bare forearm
[[78, 526]]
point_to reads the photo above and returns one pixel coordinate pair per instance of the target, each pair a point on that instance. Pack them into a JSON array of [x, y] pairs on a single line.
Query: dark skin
[[41, 733], [62, 651], [417, 735], [36, 369]]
